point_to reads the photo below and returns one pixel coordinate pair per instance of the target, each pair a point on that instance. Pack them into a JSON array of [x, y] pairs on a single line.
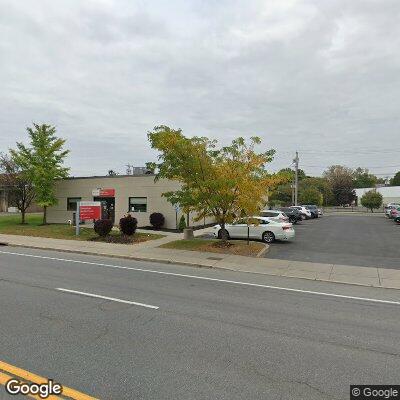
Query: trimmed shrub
[[182, 223], [128, 225], [103, 226], [157, 220]]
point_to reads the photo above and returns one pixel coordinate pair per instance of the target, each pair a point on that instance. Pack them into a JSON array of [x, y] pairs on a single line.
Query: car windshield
[[275, 219], [270, 213]]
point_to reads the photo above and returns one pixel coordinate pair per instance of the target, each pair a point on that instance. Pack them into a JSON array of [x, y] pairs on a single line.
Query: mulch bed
[[121, 239]]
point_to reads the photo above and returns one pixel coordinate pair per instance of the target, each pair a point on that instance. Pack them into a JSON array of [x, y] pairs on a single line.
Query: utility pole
[[292, 187], [296, 178]]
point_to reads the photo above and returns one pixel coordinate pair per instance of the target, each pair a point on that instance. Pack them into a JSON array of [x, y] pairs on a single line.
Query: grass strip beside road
[[11, 225], [237, 247]]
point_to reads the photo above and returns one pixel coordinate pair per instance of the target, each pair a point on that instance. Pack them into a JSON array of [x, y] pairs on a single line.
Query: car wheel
[[268, 237], [220, 234]]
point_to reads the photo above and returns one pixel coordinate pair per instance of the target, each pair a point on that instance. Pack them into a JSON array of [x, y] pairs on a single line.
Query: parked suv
[[306, 214], [277, 215], [293, 214], [313, 209]]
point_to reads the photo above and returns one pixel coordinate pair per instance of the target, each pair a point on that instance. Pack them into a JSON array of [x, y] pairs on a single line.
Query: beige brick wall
[[125, 187]]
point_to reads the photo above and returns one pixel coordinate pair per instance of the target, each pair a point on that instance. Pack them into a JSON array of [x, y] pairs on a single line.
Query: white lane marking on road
[[97, 296], [208, 279]]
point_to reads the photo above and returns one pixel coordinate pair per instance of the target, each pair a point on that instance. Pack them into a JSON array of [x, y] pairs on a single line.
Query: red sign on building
[[89, 210], [103, 192]]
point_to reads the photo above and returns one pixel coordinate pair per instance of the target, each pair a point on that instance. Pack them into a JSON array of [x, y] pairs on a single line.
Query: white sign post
[[177, 209], [87, 210], [77, 218]]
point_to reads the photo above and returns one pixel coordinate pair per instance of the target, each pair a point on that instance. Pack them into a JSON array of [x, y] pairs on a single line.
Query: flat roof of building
[[108, 176]]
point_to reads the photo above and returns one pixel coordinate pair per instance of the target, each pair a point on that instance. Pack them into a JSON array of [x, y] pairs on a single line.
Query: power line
[[383, 151]]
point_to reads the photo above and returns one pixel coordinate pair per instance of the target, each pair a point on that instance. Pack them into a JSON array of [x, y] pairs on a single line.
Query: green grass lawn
[[11, 225], [238, 247]]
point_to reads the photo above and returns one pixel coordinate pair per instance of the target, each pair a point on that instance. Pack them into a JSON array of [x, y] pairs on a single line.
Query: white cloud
[[306, 75]]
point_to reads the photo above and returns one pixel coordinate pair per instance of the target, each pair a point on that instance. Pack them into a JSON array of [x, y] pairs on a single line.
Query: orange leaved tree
[[223, 182]]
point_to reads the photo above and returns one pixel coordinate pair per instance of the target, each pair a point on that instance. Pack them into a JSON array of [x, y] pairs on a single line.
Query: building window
[[71, 203], [137, 204]]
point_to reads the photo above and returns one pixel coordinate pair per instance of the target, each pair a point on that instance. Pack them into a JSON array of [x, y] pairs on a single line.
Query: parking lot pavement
[[366, 241]]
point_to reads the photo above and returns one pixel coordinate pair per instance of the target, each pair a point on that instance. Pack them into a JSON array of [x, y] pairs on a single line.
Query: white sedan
[[266, 229]]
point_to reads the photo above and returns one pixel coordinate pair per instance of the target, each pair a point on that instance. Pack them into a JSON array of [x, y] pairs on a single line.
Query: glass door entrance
[[108, 207]]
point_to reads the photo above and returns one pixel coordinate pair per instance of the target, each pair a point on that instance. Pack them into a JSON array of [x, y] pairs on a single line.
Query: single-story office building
[[139, 195]]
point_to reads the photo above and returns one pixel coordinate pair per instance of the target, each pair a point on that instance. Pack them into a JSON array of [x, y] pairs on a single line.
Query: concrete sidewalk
[[149, 251]]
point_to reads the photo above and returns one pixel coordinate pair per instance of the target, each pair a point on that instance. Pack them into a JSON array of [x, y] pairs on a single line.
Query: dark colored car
[[313, 210], [293, 214]]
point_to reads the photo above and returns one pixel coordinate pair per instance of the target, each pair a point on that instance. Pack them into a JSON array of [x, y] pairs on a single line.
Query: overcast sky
[[318, 76]]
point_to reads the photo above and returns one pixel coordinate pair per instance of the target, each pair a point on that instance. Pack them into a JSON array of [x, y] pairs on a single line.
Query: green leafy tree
[[322, 185], [311, 195], [301, 174], [221, 182], [372, 200], [281, 195], [340, 180], [43, 163], [395, 181], [363, 179]]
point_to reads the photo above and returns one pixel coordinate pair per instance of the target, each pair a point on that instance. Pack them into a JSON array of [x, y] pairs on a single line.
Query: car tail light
[[287, 228]]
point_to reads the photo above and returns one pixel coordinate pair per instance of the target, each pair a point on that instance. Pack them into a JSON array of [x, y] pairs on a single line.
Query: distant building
[[390, 194]]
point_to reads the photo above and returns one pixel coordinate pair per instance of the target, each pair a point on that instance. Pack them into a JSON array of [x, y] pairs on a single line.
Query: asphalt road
[[210, 338], [368, 241]]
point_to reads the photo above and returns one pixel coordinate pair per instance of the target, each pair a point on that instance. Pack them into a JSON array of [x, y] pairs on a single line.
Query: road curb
[[263, 251], [190, 264], [92, 253], [310, 279]]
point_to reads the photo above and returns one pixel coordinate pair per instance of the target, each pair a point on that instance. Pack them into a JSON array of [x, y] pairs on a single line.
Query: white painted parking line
[[97, 296], [209, 279]]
